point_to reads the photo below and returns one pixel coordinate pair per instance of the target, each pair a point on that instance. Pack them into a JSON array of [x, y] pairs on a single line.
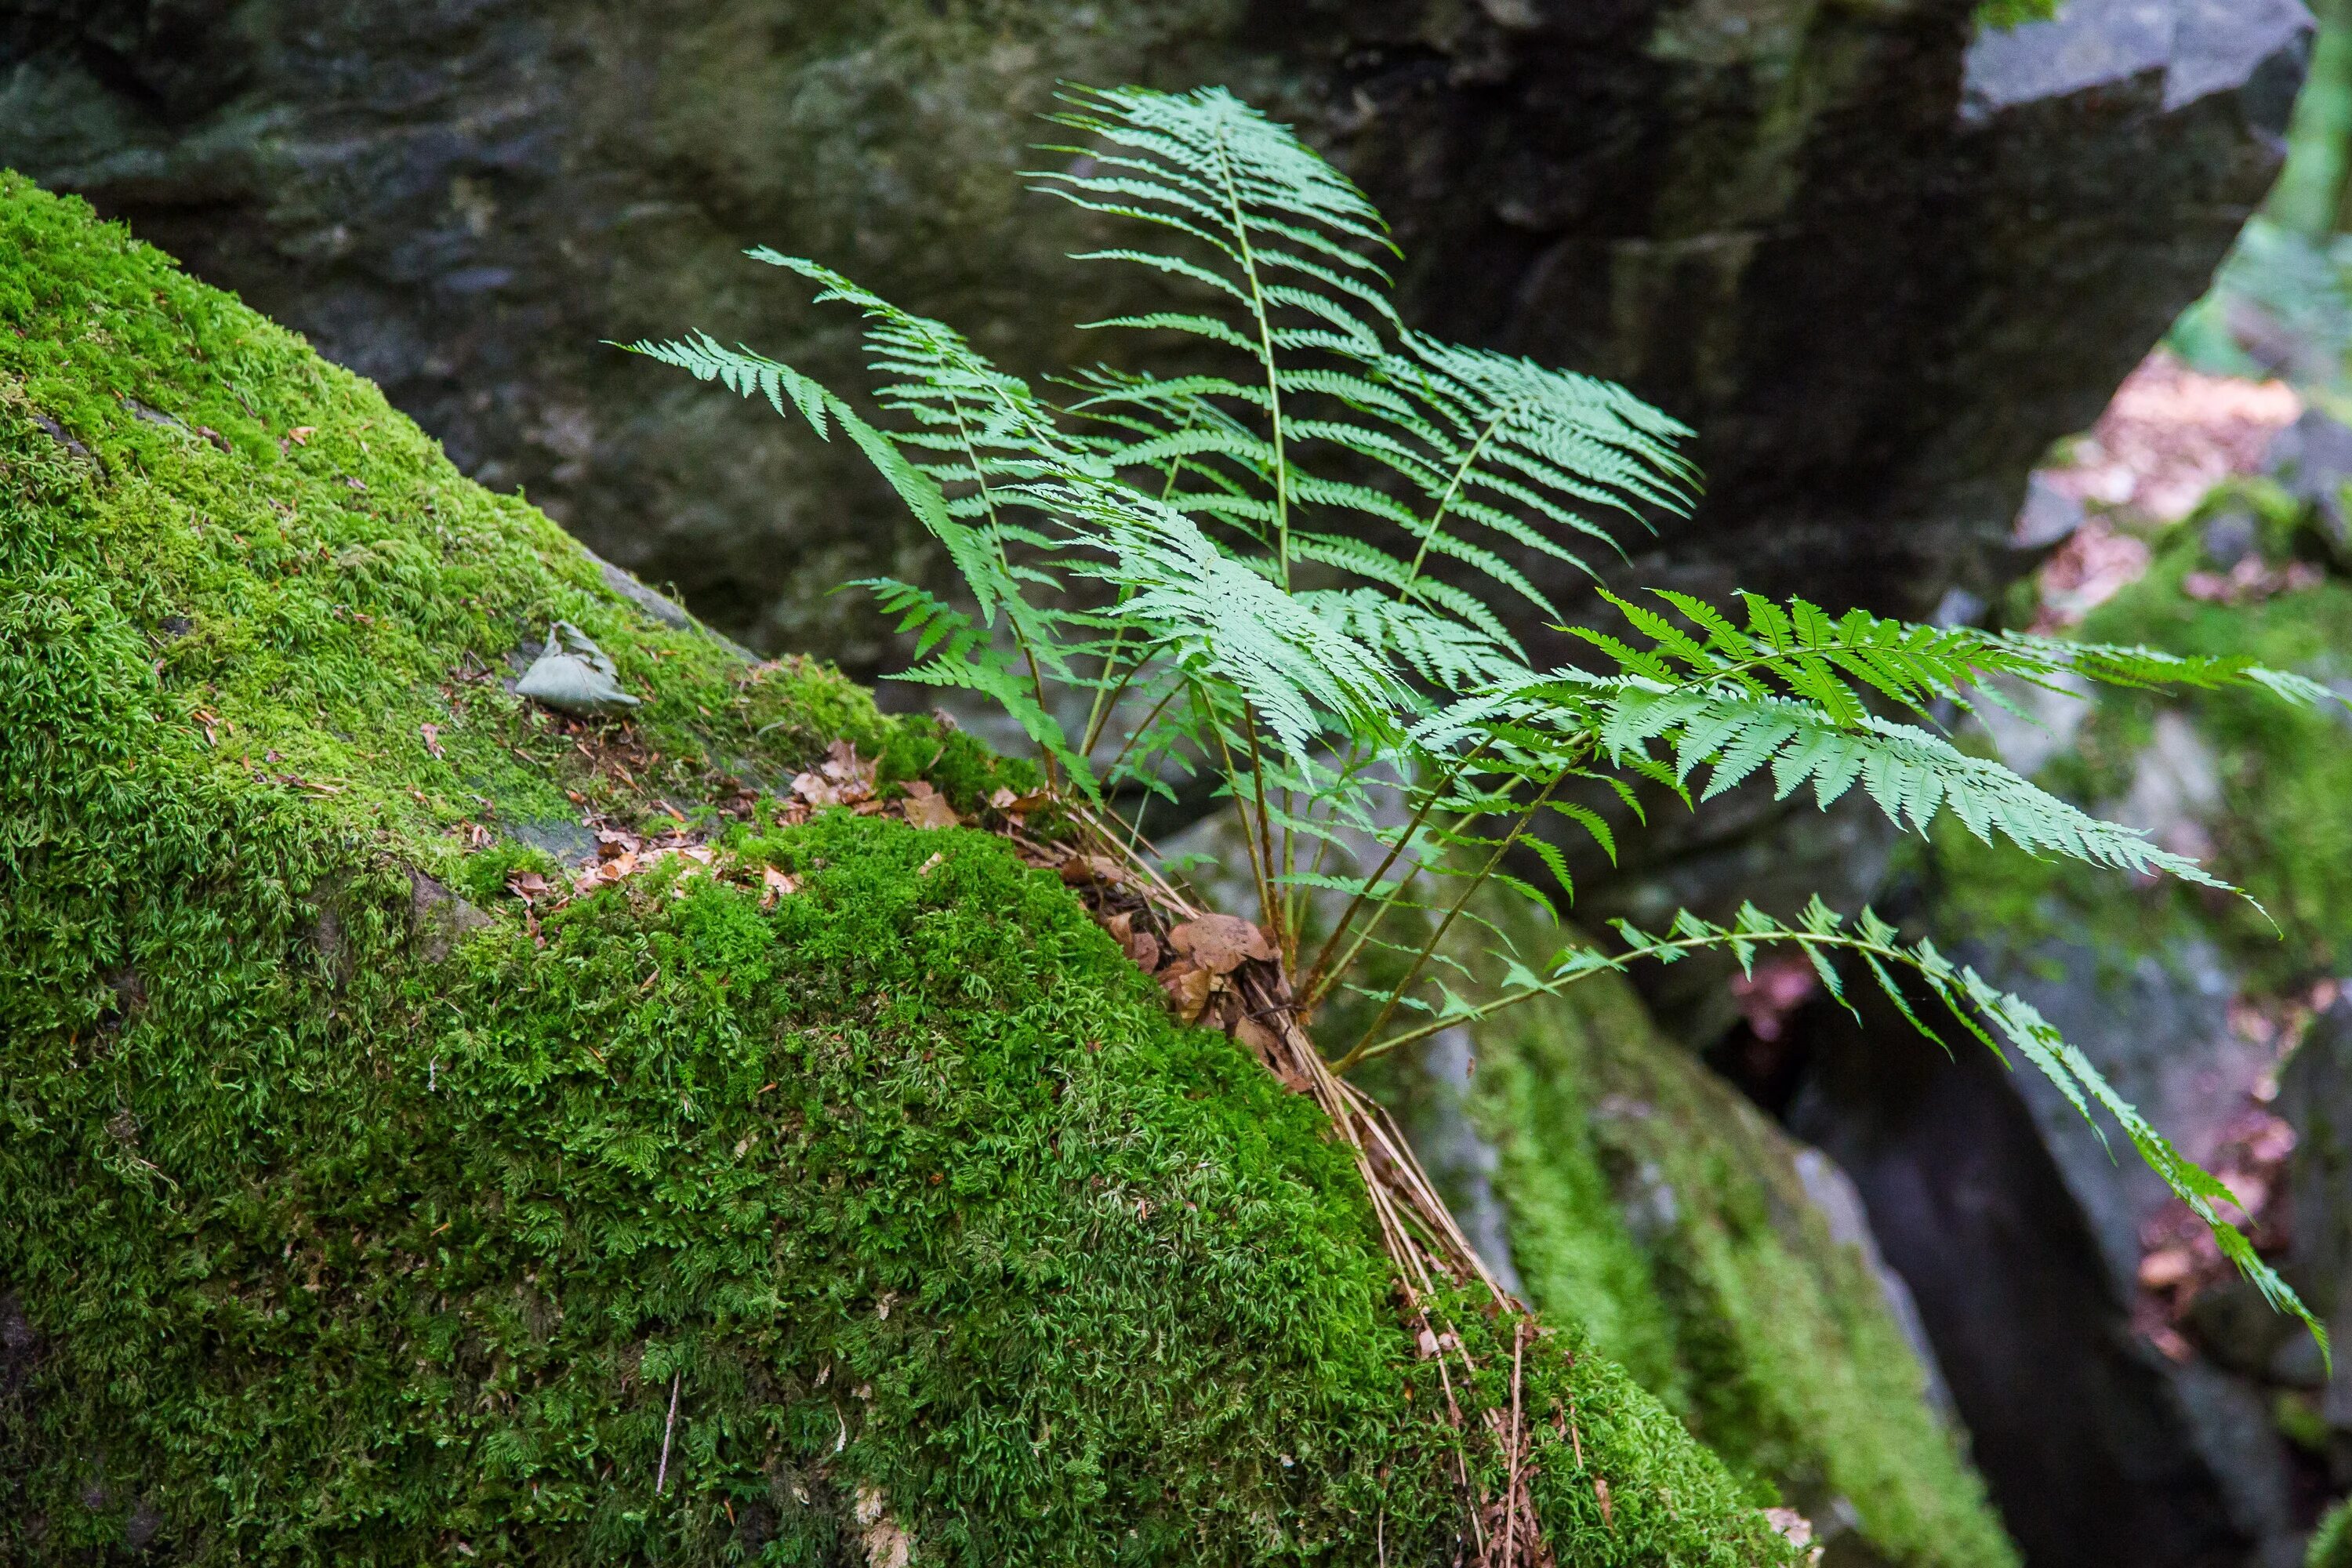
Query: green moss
[[346, 1223], [1729, 1296]]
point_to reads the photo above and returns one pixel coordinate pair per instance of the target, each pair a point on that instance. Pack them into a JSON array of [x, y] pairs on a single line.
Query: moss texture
[[350, 1213]]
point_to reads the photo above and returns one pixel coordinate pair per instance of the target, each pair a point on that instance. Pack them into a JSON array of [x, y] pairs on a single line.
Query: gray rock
[[2315, 1098], [2313, 459], [2049, 517], [2230, 537], [2201, 47], [1458, 1157], [2016, 1233]]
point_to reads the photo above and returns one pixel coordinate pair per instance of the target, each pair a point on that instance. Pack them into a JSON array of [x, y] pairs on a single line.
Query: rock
[[2049, 517], [2017, 1281], [661, 1221], [2315, 1096], [2229, 537], [1878, 297], [2313, 458], [2200, 46]]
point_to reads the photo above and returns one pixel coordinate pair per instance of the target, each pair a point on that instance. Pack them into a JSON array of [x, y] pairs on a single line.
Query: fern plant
[[1282, 569]]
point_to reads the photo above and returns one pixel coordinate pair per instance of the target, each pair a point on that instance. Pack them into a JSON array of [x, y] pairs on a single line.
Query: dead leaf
[[927, 807], [432, 733], [1121, 926], [933, 864], [301, 435], [1011, 805], [1791, 1526], [1267, 1046], [1080, 869], [775, 885], [851, 776], [528, 886], [1220, 943], [814, 790], [1144, 948], [886, 1545], [1187, 986]]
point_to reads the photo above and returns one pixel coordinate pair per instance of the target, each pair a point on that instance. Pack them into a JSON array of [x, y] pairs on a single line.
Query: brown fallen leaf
[[301, 435], [1187, 986], [775, 885], [432, 733], [815, 790], [1121, 926], [851, 777], [1220, 943], [1144, 948], [1080, 869], [927, 807], [1011, 805], [1267, 1046], [931, 865], [528, 886]]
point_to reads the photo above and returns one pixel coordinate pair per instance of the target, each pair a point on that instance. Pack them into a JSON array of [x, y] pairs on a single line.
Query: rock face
[[1728, 1268], [1876, 271]]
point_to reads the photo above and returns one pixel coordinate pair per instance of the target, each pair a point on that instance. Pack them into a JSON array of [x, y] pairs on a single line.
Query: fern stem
[[1259, 869], [1323, 972], [1269, 903], [996, 538], [1100, 714], [1138, 732], [1429, 948], [1445, 503], [1618, 965], [1266, 356]]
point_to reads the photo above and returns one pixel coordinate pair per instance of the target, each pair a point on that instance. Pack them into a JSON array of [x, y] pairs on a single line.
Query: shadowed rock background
[[1876, 261]]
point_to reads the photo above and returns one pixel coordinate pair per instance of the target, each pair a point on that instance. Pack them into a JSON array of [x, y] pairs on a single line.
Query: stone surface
[[2012, 1250], [1771, 217]]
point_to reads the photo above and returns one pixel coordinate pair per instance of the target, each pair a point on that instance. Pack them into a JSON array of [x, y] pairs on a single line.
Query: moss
[[1727, 1295], [343, 1221]]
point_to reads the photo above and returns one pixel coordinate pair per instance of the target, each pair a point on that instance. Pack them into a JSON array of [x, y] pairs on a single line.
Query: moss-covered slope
[[1650, 1201], [351, 1211]]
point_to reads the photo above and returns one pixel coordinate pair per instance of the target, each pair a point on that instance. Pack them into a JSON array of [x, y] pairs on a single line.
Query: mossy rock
[[1647, 1200], [1722, 1264], [354, 1212]]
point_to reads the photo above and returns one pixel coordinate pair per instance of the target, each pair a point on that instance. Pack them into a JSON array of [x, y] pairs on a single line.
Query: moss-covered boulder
[[835, 1192]]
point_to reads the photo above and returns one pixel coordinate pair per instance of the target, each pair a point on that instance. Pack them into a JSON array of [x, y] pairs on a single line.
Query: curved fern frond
[[1911, 774], [1992, 1016], [1841, 664]]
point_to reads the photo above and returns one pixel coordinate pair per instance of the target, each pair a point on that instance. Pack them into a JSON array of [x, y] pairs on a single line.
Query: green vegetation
[[1281, 547], [2280, 826], [2006, 14], [342, 1220]]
